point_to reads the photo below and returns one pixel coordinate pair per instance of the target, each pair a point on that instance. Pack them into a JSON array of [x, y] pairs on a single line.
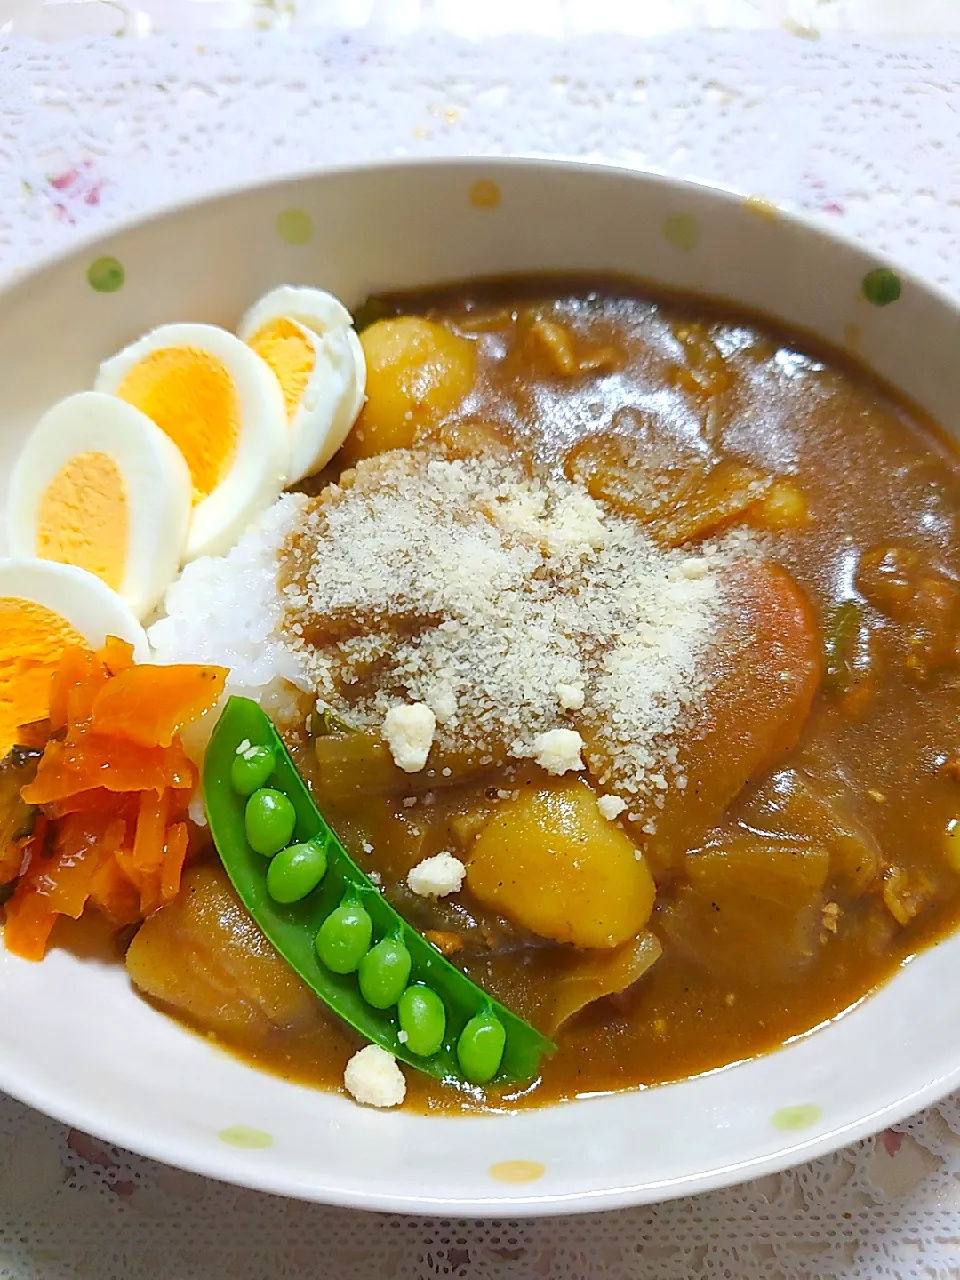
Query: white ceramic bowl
[[76, 1041]]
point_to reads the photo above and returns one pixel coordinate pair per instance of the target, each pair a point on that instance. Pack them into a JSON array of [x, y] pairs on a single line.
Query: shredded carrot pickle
[[111, 790]]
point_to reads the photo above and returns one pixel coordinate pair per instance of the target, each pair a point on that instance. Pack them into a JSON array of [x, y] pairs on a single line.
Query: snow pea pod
[[293, 927]]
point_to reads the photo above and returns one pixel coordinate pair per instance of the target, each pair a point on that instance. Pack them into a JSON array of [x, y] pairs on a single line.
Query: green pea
[[384, 973], [423, 1019], [269, 819], [252, 770], [480, 1048], [296, 871], [344, 937]]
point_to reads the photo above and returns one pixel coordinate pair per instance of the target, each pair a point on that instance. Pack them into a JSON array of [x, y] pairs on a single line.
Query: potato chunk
[[417, 372], [552, 864], [204, 958]]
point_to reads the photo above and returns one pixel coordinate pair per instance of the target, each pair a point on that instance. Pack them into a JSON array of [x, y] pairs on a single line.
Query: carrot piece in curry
[[77, 680], [151, 705], [112, 894], [174, 856], [89, 759], [112, 787], [116, 655]]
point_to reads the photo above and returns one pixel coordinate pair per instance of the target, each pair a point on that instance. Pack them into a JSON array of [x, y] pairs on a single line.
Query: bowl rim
[[151, 1142], [784, 209]]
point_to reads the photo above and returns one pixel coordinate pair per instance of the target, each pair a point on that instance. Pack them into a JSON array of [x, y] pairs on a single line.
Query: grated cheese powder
[[491, 596]]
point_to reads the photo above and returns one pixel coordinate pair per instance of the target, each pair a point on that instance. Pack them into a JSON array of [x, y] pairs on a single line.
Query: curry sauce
[[814, 844]]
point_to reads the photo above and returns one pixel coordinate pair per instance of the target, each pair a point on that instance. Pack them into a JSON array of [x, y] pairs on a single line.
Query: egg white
[[79, 597], [157, 480], [334, 393], [261, 463]]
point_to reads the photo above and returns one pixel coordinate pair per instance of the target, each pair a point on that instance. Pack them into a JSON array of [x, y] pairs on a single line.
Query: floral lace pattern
[[565, 19], [862, 135]]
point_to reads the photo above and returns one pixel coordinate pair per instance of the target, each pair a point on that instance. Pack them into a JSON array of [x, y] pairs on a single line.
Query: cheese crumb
[[244, 746], [437, 876], [695, 567], [373, 1077], [558, 750], [442, 701], [611, 807], [570, 696], [408, 730]]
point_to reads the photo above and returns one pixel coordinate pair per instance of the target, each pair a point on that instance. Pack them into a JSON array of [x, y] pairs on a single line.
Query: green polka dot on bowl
[[800, 1116], [295, 226], [106, 275], [245, 1137], [881, 286], [682, 231]]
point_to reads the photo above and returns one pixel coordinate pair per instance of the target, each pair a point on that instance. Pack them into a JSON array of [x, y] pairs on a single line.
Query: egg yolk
[[191, 396], [289, 353], [32, 637], [84, 518]]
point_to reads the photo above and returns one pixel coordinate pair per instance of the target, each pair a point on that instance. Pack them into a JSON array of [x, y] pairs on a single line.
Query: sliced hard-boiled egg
[[223, 409], [307, 338], [100, 486], [44, 607]]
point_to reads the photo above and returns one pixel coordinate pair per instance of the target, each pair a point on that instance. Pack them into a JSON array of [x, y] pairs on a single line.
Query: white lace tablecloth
[[865, 135]]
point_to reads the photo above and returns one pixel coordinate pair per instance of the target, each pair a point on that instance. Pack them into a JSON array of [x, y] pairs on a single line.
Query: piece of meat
[[921, 600]]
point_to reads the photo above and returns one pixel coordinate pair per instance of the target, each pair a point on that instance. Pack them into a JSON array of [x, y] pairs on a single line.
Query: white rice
[[226, 611]]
